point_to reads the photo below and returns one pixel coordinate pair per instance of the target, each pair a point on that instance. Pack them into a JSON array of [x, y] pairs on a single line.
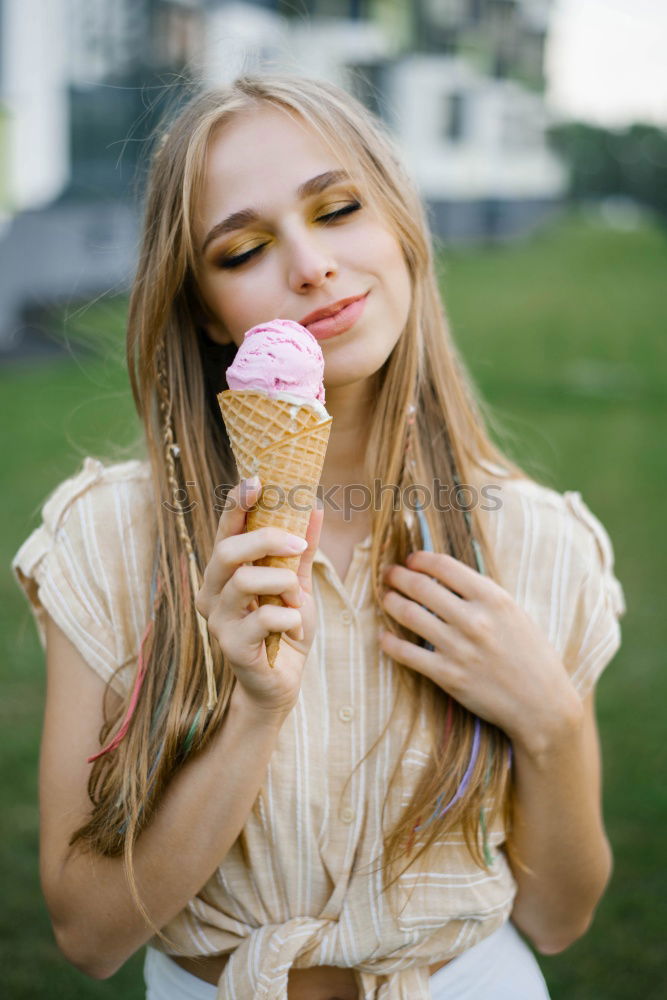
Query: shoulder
[[529, 521], [556, 559], [91, 510], [99, 489], [88, 564]]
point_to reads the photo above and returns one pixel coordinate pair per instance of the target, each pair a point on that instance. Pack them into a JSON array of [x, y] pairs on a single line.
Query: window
[[454, 126]]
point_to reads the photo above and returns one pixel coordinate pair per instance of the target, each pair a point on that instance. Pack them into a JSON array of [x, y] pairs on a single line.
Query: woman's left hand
[[488, 653]]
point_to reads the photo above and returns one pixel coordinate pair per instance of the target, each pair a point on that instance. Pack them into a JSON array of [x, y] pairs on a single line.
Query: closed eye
[[354, 206], [228, 263]]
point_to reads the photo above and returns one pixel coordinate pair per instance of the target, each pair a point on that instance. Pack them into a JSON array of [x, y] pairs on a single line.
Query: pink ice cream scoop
[[279, 357]]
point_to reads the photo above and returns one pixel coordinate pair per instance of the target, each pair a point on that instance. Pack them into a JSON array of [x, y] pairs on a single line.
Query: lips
[[335, 318], [330, 310]]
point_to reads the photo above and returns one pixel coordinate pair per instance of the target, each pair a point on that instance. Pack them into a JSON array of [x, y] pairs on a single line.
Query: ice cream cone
[[283, 441]]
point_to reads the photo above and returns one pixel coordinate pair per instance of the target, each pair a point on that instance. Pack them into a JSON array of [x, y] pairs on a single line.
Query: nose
[[310, 262]]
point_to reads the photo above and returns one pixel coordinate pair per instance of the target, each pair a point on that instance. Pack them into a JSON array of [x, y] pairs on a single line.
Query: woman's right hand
[[228, 602]]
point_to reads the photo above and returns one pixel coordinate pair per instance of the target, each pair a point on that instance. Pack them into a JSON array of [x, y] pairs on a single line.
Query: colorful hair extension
[[156, 587], [187, 745], [427, 546], [172, 450], [438, 813], [479, 558]]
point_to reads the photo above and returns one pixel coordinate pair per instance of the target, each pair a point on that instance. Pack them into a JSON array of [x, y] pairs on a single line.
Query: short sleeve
[[88, 566], [595, 634]]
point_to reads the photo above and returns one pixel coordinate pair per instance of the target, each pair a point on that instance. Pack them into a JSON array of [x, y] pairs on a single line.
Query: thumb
[[313, 538]]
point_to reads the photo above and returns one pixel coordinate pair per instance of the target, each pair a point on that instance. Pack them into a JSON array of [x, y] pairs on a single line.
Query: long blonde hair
[[176, 372]]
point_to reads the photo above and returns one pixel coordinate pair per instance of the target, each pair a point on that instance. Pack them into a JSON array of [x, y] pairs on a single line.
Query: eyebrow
[[246, 216]]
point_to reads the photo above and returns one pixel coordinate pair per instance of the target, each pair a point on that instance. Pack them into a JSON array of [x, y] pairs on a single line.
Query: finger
[[232, 552], [254, 628], [416, 618], [250, 581], [422, 660], [430, 593], [462, 579], [305, 569], [238, 501], [296, 633]]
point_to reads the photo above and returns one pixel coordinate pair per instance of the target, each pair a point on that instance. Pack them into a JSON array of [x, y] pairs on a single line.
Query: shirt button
[[346, 617], [346, 713], [347, 815]]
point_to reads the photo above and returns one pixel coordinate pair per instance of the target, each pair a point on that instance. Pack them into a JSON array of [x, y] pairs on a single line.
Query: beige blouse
[[311, 894]]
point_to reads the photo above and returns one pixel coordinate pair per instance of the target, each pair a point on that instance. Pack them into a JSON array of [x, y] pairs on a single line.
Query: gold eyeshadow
[[345, 204]]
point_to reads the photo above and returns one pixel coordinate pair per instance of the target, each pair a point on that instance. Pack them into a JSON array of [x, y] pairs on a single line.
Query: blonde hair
[[176, 371]]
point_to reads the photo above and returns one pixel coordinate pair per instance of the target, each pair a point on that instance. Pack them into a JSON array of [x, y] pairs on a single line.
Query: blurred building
[[34, 120], [500, 38], [83, 82], [467, 106]]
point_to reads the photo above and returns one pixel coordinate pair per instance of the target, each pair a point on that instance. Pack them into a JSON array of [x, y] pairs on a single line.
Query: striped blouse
[[310, 892]]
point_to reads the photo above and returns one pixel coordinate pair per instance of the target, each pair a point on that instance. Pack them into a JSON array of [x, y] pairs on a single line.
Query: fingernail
[[295, 544], [253, 483]]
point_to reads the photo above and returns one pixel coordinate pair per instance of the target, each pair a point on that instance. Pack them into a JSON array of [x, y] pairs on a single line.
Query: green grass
[[564, 337]]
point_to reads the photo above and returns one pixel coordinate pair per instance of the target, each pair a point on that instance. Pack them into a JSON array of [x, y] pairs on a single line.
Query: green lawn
[[564, 335]]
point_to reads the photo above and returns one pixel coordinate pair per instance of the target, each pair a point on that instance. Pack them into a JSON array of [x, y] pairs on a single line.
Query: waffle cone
[[284, 444]]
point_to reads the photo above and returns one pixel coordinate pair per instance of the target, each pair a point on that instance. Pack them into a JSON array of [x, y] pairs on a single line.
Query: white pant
[[501, 967]]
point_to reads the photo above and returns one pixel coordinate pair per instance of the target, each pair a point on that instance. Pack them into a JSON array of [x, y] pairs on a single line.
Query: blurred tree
[[631, 161]]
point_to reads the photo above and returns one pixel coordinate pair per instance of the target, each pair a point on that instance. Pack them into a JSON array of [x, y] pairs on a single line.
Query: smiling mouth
[[327, 311], [335, 319]]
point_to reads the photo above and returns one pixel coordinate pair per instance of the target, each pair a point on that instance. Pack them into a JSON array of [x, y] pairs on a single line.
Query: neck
[[351, 407]]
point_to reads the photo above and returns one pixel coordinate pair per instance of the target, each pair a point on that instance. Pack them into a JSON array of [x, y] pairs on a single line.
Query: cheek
[[386, 251], [238, 304], [395, 274]]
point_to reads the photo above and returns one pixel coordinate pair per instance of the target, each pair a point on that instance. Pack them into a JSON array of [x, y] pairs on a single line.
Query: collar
[[365, 545]]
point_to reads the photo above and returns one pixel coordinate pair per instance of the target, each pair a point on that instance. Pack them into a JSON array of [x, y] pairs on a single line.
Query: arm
[[490, 656], [558, 832], [95, 920]]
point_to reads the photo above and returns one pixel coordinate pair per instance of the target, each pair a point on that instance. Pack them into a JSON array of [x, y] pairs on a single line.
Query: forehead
[[258, 155]]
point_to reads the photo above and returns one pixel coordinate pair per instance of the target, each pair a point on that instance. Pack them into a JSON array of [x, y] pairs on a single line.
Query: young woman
[[419, 776]]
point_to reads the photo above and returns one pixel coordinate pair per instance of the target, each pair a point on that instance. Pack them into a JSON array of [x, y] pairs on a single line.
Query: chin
[[355, 363], [354, 367]]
